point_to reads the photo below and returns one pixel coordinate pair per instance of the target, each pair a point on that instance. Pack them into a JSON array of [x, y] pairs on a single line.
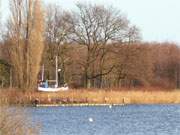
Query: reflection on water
[[118, 120]]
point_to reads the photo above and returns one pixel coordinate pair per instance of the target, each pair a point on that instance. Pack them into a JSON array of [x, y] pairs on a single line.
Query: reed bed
[[15, 120], [93, 96]]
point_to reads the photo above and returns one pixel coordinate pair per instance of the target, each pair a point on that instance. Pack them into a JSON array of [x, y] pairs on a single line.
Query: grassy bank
[[15, 120], [92, 97]]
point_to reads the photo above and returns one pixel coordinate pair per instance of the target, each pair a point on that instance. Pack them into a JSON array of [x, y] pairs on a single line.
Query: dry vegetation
[[97, 47], [94, 96], [15, 120], [25, 41]]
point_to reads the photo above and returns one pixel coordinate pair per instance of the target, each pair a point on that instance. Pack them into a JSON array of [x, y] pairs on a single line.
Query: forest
[[97, 47]]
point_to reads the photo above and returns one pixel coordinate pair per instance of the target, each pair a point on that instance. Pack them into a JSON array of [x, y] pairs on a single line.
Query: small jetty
[[76, 105]]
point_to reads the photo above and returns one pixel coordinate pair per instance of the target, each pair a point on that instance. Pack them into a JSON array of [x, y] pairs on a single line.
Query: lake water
[[118, 120]]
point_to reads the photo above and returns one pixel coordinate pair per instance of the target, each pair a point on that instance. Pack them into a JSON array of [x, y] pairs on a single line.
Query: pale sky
[[158, 20]]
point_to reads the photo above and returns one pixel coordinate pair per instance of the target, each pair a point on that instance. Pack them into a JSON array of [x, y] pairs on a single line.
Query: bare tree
[[166, 64], [133, 64], [25, 31], [133, 34], [95, 27], [56, 41]]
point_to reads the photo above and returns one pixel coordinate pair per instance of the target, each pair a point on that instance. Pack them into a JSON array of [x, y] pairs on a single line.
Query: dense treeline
[[138, 64], [97, 47]]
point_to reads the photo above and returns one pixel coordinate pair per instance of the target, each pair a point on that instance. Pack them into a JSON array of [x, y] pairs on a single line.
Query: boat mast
[[42, 74], [56, 71]]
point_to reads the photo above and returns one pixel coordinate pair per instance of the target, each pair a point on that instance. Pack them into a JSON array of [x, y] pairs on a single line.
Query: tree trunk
[[177, 74], [88, 83]]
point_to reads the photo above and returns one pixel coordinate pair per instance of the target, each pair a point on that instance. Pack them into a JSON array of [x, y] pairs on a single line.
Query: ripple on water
[[118, 120]]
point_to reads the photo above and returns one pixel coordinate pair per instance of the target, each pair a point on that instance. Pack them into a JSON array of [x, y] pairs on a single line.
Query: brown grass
[[94, 96], [15, 120]]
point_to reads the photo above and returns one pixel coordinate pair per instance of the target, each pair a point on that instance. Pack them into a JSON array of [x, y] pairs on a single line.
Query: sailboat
[[44, 85]]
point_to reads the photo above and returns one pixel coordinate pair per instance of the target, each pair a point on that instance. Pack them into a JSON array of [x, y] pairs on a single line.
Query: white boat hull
[[52, 89]]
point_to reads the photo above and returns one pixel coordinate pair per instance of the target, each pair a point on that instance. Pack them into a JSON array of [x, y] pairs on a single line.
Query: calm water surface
[[119, 120]]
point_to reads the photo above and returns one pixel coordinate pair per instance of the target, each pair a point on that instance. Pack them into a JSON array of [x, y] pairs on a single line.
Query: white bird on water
[[110, 106], [90, 119]]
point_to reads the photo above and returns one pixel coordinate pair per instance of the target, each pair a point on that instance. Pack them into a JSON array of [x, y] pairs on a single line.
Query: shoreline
[[77, 105], [87, 105], [97, 105], [89, 97]]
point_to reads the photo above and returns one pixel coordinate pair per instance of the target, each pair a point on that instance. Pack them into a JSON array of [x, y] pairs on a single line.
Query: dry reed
[[14, 120], [94, 97]]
